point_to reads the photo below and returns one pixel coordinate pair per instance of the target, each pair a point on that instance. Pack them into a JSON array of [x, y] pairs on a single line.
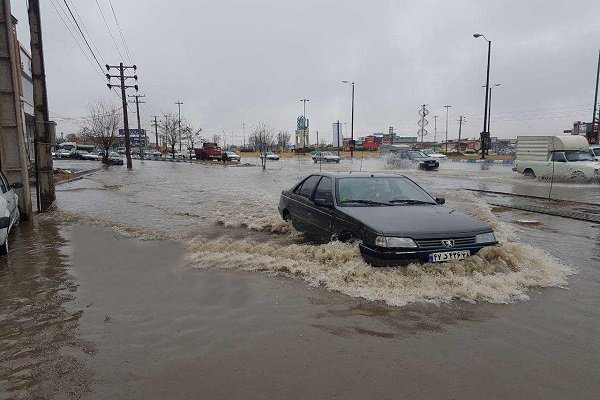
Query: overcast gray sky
[[233, 62]]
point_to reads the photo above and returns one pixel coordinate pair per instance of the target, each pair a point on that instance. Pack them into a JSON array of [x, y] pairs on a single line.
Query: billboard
[[133, 132]]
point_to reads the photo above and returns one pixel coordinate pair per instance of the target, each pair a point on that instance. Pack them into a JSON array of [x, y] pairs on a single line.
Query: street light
[[489, 123], [352, 121], [485, 134]]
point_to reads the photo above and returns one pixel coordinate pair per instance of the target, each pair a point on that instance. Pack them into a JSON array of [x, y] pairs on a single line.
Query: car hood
[[417, 221]]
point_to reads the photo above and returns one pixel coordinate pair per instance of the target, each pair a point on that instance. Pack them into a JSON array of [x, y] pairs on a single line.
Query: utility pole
[[122, 77], [596, 137], [339, 142], [317, 140], [139, 127], [244, 132], [165, 138], [156, 130], [351, 121], [435, 117], [460, 123], [179, 107], [44, 128], [447, 107]]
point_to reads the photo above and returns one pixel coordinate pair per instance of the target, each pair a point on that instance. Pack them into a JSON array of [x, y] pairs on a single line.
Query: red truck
[[209, 151]]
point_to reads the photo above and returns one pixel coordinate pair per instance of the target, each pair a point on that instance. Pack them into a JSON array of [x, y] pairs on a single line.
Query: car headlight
[[485, 238], [383, 241]]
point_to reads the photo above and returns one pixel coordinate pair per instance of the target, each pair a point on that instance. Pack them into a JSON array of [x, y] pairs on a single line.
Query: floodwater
[[179, 280]]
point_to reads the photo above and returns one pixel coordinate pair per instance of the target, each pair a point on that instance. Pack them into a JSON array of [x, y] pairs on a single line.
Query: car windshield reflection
[[383, 191]]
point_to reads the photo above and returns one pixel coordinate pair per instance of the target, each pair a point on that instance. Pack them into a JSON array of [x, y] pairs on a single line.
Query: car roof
[[356, 174]]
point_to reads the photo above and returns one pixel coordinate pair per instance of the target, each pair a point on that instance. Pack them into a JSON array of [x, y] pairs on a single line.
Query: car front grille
[[437, 243]]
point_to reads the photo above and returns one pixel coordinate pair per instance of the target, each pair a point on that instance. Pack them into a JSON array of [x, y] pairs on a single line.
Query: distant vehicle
[[325, 156], [470, 151], [115, 158], [10, 215], [62, 153], [564, 156], [595, 152], [270, 156], [415, 157], [433, 154], [394, 220], [209, 151], [94, 155], [77, 154], [232, 156], [121, 150]]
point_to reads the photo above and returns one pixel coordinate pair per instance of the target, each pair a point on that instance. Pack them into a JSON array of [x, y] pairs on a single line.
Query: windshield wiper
[[369, 202], [409, 201]]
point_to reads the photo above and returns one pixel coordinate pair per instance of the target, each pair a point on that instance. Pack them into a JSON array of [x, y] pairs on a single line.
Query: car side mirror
[[17, 185], [323, 203], [440, 200]]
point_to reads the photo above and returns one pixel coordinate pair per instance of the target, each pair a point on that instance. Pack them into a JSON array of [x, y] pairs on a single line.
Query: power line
[[109, 31], [82, 35], [120, 31]]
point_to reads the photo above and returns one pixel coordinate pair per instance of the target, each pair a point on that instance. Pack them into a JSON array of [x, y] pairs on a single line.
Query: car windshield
[[326, 153], [416, 154], [596, 151], [578, 156], [372, 191]]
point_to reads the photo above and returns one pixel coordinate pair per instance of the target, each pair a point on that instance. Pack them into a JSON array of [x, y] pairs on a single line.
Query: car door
[[9, 195], [320, 216], [301, 204]]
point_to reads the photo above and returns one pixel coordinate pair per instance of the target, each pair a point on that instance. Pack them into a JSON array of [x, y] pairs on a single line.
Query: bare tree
[[192, 135], [262, 139], [101, 127], [170, 132], [283, 140]]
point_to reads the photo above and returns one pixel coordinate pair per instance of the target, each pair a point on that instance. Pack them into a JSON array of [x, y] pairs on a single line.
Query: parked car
[[415, 157], [393, 218], [62, 153], [325, 156], [10, 214], [566, 156], [232, 156], [115, 158], [595, 152], [77, 154], [270, 156], [93, 155]]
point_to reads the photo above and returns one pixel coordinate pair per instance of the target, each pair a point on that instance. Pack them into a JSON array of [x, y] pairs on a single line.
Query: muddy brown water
[[129, 291]]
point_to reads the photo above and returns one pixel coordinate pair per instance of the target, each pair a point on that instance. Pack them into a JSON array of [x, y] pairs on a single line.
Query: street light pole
[[447, 108], [351, 121], [489, 123], [485, 134]]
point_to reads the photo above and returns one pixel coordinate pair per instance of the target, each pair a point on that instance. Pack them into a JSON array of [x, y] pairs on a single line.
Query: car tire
[[578, 175], [528, 173], [4, 246], [347, 237]]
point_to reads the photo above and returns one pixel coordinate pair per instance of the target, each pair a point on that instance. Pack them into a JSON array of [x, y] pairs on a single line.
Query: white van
[[561, 156]]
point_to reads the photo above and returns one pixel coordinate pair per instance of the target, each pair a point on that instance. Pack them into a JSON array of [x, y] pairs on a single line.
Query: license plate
[[449, 256]]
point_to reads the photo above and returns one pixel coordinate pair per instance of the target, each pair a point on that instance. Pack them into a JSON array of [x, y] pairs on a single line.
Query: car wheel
[[529, 173], [287, 216], [4, 247], [17, 218], [578, 175], [347, 237], [315, 161]]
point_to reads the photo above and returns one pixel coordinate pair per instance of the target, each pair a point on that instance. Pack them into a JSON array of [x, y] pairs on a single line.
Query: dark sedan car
[[393, 218], [415, 157]]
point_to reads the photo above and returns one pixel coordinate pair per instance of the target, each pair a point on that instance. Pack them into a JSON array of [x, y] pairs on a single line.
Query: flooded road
[[180, 280]]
